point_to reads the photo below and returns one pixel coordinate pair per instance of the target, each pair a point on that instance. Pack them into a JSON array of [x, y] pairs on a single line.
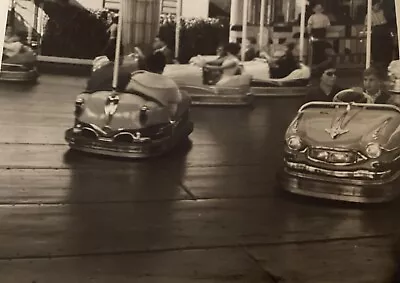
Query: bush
[[73, 32], [197, 36]]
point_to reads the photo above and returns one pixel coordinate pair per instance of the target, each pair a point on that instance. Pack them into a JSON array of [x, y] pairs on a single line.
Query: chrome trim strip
[[339, 174], [368, 106]]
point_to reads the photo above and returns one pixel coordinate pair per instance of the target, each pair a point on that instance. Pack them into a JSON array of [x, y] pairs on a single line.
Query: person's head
[[251, 42], [114, 19], [155, 63], [328, 77], [318, 9], [159, 42], [232, 48], [376, 5], [372, 80], [221, 51], [290, 48]]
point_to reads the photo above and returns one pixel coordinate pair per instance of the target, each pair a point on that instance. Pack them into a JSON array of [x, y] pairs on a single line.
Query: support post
[[244, 28], [302, 29], [178, 27], [117, 50], [397, 3], [141, 22], [369, 35], [262, 24]]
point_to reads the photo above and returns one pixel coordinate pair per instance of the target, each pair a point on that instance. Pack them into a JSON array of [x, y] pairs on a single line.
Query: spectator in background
[[252, 51], [317, 27], [318, 22], [160, 45], [381, 39]]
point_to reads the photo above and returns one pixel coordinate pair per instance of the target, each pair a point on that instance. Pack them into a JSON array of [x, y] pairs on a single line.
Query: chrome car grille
[[331, 156]]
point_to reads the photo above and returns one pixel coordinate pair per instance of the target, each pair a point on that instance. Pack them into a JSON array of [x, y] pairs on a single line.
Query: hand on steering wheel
[[353, 95]]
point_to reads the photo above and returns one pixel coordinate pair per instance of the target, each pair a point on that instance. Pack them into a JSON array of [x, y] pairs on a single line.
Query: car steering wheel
[[352, 95]]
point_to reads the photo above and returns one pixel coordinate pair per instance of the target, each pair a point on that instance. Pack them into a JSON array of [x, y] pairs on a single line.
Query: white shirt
[[319, 21]]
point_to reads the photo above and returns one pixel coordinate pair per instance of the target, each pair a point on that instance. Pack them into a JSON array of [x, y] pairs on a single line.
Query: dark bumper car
[[131, 124]]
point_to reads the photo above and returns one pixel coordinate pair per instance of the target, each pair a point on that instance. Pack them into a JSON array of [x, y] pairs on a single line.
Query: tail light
[[143, 116], [79, 103]]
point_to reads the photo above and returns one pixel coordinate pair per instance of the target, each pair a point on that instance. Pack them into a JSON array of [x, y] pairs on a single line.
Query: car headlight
[[373, 150], [294, 143]]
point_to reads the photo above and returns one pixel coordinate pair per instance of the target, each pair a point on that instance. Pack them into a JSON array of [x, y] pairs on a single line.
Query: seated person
[[252, 50], [372, 87], [13, 47], [285, 65], [327, 88], [230, 65], [221, 56], [102, 78]]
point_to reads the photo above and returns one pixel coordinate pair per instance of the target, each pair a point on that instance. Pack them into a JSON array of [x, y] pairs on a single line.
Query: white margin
[[3, 22]]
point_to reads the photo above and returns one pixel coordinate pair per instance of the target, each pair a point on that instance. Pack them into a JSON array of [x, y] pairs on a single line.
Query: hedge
[[79, 33]]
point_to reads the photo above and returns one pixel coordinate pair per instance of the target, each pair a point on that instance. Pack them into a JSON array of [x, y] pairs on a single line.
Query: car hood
[[358, 126], [127, 114]]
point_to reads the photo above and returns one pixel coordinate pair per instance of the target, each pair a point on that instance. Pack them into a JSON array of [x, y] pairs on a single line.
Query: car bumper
[[139, 150], [19, 76], [382, 188], [211, 96]]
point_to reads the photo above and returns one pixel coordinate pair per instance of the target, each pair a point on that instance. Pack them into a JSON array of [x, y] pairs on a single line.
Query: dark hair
[[156, 62], [374, 71], [162, 38], [115, 19], [290, 46], [232, 48], [252, 40]]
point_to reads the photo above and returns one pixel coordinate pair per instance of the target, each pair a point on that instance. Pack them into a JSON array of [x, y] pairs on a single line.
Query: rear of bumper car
[[86, 139], [213, 96], [280, 88], [18, 73], [359, 186]]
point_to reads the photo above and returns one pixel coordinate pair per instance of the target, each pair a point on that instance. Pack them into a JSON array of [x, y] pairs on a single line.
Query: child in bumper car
[[285, 64], [15, 52], [373, 80], [230, 66], [103, 72]]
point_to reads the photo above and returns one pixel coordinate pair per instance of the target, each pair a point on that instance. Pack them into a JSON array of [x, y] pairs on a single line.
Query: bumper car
[[19, 66], [203, 88], [344, 151], [199, 83], [135, 123]]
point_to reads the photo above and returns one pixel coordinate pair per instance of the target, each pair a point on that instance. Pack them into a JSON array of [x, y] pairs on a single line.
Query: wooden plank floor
[[210, 211]]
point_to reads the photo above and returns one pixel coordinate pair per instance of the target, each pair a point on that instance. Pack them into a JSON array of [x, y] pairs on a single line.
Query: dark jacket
[[101, 79], [317, 94], [383, 98], [284, 66]]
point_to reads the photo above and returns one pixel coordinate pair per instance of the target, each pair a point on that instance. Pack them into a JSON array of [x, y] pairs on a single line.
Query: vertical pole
[[369, 34], [397, 3], [178, 27], [117, 49], [302, 28], [244, 27], [269, 19], [262, 24]]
